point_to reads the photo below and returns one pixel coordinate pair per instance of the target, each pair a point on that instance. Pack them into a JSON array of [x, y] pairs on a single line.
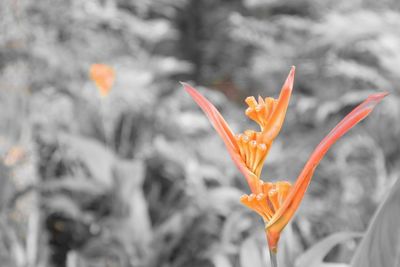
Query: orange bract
[[103, 76], [278, 202], [292, 201], [249, 150], [275, 202]]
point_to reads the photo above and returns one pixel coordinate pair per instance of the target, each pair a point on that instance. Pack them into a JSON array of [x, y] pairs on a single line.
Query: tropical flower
[[279, 201], [249, 149], [103, 76], [275, 202]]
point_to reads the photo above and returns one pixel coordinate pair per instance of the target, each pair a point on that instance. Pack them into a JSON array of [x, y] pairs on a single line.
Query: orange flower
[[278, 201], [275, 202], [103, 76], [249, 149]]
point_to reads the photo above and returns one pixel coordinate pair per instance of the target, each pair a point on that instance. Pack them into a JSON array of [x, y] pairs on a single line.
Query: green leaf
[[381, 244], [314, 256]]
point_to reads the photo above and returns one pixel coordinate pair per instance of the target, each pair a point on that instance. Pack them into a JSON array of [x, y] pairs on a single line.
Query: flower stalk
[[273, 258]]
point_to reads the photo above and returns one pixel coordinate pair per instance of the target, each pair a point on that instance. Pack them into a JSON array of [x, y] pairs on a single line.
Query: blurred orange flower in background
[[275, 202], [104, 76], [15, 155]]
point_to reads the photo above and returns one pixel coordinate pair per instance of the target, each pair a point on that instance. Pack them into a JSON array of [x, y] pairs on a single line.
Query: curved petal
[[278, 116], [224, 132], [292, 202]]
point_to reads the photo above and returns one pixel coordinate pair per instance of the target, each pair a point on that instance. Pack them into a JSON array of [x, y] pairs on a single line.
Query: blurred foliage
[[139, 178]]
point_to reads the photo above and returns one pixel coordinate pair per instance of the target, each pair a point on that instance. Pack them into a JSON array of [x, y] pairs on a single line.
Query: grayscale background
[[139, 177]]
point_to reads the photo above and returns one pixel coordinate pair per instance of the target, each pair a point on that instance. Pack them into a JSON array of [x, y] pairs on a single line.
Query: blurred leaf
[[171, 65], [381, 244], [314, 256], [235, 225], [74, 186], [221, 260], [289, 247], [130, 176], [358, 71], [66, 205], [367, 24], [223, 199], [96, 157], [250, 255]]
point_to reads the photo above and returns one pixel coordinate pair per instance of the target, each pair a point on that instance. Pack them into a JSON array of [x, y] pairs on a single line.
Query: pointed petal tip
[[374, 99], [292, 71], [185, 85], [189, 89], [378, 96], [290, 79]]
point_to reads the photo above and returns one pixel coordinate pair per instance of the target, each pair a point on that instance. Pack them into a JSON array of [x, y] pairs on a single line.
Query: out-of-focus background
[[139, 177]]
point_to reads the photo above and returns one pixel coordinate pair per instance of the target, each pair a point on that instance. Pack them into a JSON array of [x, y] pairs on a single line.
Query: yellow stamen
[[239, 142], [253, 150], [262, 200], [245, 140], [268, 201], [259, 153]]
